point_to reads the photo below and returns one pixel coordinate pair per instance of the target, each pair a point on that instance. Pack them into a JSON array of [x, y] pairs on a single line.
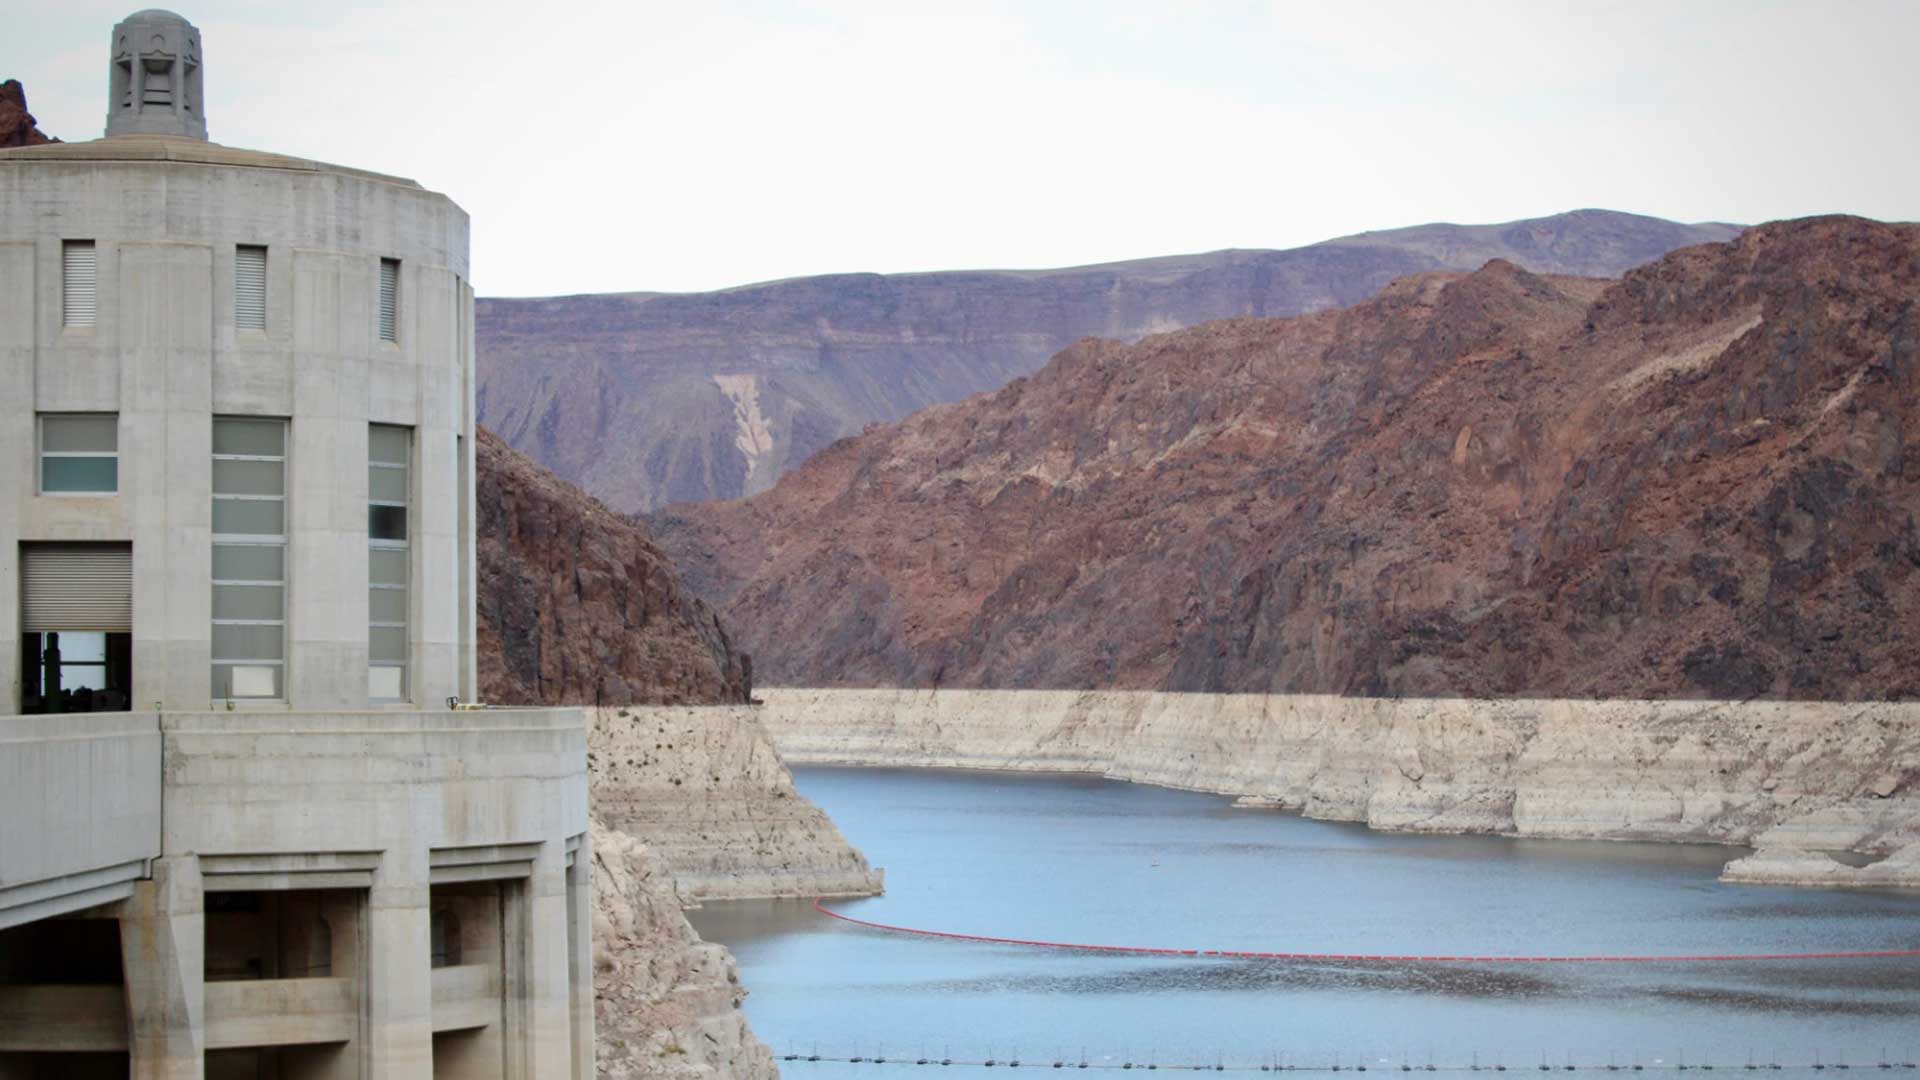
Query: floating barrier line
[[1334, 1066], [1361, 958]]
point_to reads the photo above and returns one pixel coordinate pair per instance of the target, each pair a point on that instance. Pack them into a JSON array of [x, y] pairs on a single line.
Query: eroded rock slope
[[647, 398], [1699, 481], [578, 605], [705, 790]]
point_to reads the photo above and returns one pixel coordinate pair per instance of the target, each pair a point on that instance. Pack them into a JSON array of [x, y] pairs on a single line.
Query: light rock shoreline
[[692, 804], [704, 789], [1795, 781]]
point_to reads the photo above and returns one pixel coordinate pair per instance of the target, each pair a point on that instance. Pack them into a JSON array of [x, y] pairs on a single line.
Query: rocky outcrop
[[577, 605], [666, 1004], [704, 789], [1700, 481], [1828, 793], [645, 399], [17, 127]]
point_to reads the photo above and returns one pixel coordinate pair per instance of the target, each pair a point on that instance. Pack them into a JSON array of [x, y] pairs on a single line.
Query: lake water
[[1092, 861]]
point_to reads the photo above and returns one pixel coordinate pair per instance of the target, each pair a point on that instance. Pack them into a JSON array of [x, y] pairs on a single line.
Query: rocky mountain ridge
[[647, 398], [1701, 480], [17, 127]]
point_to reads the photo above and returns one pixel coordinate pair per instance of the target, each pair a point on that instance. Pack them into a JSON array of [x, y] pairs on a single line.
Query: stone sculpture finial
[[154, 82]]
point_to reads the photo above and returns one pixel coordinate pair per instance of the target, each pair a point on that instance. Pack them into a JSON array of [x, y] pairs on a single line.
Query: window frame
[[405, 587], [220, 540], [41, 454]]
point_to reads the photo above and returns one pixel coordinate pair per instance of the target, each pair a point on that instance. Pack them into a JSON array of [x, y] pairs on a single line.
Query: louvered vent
[[77, 276], [389, 299], [77, 587], [249, 287]]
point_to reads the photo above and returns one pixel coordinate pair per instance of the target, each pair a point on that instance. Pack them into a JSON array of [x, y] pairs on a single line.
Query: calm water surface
[[1088, 860]]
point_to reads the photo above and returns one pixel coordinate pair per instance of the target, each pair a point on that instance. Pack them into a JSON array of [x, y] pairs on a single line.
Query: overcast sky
[[699, 144]]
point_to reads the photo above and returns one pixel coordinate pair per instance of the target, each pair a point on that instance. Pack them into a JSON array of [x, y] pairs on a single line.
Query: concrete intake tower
[[244, 832]]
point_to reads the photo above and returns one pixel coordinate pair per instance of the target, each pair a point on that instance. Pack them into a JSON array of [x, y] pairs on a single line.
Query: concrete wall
[[370, 811], [165, 355], [79, 810]]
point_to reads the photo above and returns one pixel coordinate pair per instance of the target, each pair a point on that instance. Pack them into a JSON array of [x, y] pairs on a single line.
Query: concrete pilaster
[[399, 984], [580, 958], [162, 945]]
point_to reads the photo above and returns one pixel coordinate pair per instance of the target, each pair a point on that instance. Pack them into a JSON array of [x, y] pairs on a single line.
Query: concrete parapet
[[79, 810]]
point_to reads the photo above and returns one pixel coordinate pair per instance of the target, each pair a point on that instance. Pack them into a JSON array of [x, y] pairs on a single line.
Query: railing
[[465, 996], [280, 1012]]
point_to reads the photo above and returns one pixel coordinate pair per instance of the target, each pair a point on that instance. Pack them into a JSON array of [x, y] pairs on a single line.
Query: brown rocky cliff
[[578, 606], [16, 123], [1697, 481], [645, 399]]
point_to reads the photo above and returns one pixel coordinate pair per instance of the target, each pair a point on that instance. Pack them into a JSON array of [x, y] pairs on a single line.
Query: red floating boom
[[1366, 958]]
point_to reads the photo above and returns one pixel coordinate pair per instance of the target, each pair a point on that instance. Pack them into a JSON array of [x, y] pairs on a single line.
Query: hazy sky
[[693, 145]]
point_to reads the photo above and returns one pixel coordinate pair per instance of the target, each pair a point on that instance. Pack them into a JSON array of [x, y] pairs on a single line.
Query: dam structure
[[248, 827]]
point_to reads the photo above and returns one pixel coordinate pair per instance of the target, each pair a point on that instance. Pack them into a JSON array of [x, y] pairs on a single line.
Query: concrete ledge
[[73, 892], [62, 1019], [465, 996], [491, 786], [279, 1012]]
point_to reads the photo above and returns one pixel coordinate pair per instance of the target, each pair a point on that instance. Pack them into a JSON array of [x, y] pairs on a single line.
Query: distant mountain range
[[1702, 480], [645, 399]]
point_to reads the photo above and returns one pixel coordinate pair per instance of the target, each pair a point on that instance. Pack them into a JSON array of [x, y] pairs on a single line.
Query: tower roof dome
[[155, 77]]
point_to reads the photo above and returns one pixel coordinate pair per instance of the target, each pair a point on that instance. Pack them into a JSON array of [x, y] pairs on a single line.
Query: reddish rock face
[[16, 123], [1702, 480], [650, 399], [578, 606]]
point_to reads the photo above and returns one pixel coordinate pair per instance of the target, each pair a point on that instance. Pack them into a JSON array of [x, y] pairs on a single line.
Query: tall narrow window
[[389, 299], [389, 456], [249, 558], [249, 287], [79, 453], [77, 276]]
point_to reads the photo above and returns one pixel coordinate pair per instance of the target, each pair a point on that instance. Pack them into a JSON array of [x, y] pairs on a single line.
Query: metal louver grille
[[389, 299], [77, 587], [77, 276], [250, 287]]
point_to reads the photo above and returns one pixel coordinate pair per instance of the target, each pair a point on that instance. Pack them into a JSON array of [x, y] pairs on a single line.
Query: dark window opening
[[75, 671]]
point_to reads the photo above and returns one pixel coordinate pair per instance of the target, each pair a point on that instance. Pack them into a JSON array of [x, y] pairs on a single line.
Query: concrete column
[[162, 945], [165, 340], [540, 1022], [18, 480], [327, 481], [580, 958], [399, 984]]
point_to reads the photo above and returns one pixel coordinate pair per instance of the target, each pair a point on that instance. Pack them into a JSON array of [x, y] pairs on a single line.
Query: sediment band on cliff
[[1796, 780]]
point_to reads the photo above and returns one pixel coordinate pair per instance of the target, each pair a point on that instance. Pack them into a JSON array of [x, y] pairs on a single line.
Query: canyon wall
[[1699, 481], [704, 789], [1797, 781], [578, 605], [646, 399]]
